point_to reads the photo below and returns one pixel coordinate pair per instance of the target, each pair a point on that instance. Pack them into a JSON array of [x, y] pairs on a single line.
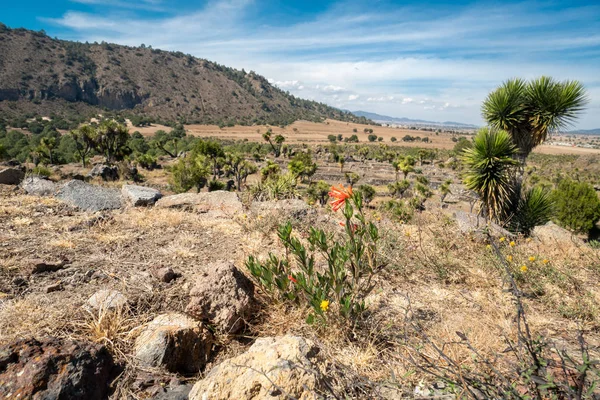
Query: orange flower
[[339, 196], [291, 278]]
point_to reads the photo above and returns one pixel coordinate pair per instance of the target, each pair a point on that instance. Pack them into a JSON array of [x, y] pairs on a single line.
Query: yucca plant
[[533, 207], [489, 171], [529, 111]]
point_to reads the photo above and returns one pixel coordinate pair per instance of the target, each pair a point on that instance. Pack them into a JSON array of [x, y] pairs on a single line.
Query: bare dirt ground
[[316, 133]]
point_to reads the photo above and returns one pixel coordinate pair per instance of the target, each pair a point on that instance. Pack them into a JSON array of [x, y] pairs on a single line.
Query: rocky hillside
[[36, 70]]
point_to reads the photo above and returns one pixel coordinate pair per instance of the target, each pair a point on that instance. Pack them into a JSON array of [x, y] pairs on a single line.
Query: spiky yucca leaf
[[489, 170], [535, 207], [529, 111]]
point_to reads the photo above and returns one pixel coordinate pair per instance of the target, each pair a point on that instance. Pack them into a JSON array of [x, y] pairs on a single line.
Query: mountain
[[586, 131], [384, 119], [41, 74]]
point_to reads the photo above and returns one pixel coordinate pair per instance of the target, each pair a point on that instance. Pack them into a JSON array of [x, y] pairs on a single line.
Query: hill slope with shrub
[[42, 74]]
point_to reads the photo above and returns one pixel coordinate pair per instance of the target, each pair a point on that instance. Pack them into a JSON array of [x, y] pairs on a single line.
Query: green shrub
[[318, 191], [214, 185], [372, 138], [576, 205], [397, 189], [393, 139], [368, 193], [276, 187], [342, 285], [147, 161]]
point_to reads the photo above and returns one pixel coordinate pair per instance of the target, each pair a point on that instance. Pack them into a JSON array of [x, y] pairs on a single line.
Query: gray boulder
[[38, 186], [174, 341], [205, 201], [223, 296], [105, 172], [469, 223], [551, 233], [89, 197], [140, 195], [11, 176]]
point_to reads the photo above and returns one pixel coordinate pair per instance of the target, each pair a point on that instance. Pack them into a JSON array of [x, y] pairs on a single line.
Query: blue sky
[[433, 60]]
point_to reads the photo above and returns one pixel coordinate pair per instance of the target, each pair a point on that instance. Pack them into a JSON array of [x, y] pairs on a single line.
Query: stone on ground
[[11, 176], [174, 341], [293, 208], [89, 197], [140, 195], [469, 223], [107, 300], [552, 233], [205, 201], [272, 368], [38, 186], [222, 296], [53, 369]]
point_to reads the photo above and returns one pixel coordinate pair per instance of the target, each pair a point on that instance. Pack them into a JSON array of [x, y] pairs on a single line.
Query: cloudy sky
[[432, 60]]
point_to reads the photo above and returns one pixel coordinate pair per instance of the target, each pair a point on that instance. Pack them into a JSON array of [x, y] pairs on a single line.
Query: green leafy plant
[[577, 205], [341, 285]]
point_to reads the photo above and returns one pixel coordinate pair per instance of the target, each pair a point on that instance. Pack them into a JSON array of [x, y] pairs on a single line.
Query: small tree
[[111, 140], [397, 189], [332, 138], [214, 153], [351, 178], [239, 168], [84, 142], [275, 142], [319, 191], [372, 138], [393, 139]]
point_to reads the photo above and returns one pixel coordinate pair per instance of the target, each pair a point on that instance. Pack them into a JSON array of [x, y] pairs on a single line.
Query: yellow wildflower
[[528, 240], [524, 268], [502, 239], [489, 246], [532, 258], [509, 258], [512, 244], [325, 305], [546, 261]]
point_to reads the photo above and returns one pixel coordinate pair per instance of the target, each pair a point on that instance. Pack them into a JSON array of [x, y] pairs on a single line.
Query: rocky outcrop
[[175, 342], [52, 369], [222, 296], [105, 172], [272, 368], [11, 176], [140, 195], [218, 200], [89, 197], [38, 186]]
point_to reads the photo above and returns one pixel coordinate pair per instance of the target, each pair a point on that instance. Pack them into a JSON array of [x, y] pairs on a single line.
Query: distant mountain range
[[384, 119], [586, 131]]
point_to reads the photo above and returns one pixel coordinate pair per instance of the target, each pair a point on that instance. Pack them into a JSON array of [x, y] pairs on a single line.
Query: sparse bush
[[372, 138], [318, 191], [346, 281], [398, 210], [393, 139], [41, 171], [332, 138], [276, 187], [397, 189]]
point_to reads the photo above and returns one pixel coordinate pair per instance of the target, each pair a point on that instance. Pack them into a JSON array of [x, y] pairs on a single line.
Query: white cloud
[[401, 61]]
